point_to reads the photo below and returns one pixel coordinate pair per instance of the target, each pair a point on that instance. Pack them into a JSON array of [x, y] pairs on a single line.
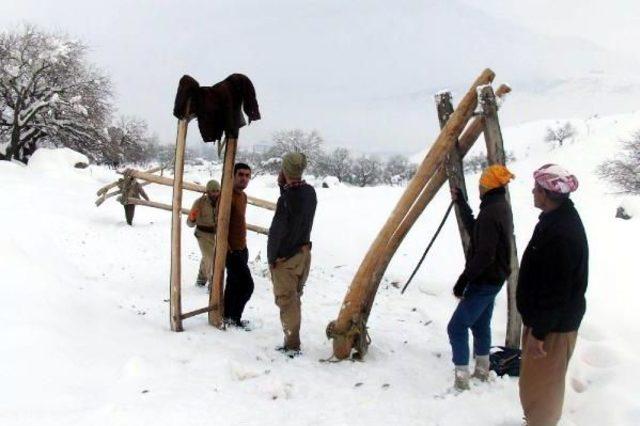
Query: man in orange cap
[[487, 267]]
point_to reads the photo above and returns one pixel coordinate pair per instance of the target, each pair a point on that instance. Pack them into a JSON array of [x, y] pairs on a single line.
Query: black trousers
[[239, 284], [129, 211]]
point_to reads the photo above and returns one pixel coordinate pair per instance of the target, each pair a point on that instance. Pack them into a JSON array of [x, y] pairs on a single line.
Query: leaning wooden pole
[[454, 168], [471, 134], [176, 231], [105, 188], [352, 316], [496, 155], [222, 236]]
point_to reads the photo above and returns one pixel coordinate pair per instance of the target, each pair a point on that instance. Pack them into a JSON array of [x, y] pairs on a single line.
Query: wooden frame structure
[[442, 162]]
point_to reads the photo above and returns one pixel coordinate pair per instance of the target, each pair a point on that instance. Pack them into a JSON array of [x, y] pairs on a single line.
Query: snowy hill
[[85, 315]]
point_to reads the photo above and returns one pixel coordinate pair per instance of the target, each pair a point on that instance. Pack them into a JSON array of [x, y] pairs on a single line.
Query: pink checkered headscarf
[[555, 179]]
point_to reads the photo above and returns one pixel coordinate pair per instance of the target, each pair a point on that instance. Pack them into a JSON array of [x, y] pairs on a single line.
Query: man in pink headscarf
[[551, 295]]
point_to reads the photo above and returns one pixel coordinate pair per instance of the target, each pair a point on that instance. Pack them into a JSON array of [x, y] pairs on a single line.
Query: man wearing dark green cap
[[203, 217], [289, 246]]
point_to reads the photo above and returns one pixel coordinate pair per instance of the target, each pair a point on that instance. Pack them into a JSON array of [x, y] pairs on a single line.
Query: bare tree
[[559, 133], [367, 171], [338, 163], [478, 162], [398, 170], [624, 171], [296, 140], [48, 92]]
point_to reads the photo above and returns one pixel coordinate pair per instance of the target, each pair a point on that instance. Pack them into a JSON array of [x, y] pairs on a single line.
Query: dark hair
[[240, 166]]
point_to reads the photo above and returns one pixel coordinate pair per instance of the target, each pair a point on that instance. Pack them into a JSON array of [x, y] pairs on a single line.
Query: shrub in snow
[[559, 133], [624, 170], [398, 170], [367, 171], [338, 163], [330, 182]]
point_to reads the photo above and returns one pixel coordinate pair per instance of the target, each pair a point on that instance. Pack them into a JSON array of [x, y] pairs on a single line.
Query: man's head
[[241, 176], [213, 189], [293, 165], [553, 185], [494, 177]]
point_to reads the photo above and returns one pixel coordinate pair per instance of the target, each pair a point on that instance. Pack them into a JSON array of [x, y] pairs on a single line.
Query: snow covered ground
[[86, 339]]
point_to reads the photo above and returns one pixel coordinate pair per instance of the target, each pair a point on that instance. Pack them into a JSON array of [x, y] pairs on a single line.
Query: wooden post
[[454, 168], [176, 234], [496, 155], [353, 312], [222, 236]]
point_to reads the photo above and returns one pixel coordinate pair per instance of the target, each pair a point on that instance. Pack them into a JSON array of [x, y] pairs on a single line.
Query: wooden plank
[[496, 155], [162, 206], [196, 312], [190, 186], [105, 188], [106, 196], [454, 168], [175, 291], [222, 236], [359, 297]]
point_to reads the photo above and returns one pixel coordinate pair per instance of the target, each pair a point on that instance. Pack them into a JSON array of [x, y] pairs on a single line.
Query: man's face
[[539, 196], [241, 179], [213, 194]]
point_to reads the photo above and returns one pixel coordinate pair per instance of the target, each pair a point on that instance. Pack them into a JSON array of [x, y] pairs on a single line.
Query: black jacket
[[489, 259], [553, 273], [217, 107], [292, 222]]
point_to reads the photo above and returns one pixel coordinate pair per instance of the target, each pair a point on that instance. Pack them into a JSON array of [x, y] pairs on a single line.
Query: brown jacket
[[217, 107], [237, 222]]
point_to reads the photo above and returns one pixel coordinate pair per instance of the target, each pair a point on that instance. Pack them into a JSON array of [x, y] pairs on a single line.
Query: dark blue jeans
[[473, 312]]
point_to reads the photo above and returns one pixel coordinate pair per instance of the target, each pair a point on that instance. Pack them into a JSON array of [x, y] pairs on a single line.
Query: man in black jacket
[[551, 295], [289, 246], [487, 267]]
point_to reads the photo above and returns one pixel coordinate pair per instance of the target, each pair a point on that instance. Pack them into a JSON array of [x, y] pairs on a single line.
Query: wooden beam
[[454, 168], [106, 196], [196, 312], [222, 235], [348, 327], [496, 155], [190, 186], [175, 283], [105, 188], [162, 206]]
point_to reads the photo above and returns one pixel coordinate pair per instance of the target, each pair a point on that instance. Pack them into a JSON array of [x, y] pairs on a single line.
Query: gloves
[[193, 215], [459, 287]]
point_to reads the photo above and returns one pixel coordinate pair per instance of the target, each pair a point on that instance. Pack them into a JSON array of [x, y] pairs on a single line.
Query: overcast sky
[[361, 72]]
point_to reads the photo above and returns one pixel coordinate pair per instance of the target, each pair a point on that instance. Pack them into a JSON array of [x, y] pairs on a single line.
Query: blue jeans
[[473, 312]]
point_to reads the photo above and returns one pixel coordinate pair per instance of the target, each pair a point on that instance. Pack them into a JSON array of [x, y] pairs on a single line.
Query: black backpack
[[505, 360]]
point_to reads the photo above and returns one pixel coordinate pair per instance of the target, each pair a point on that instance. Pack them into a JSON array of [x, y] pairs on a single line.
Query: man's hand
[[535, 347], [282, 181], [458, 289]]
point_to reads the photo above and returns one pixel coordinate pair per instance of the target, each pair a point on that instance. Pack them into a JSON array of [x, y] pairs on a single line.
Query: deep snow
[[85, 315]]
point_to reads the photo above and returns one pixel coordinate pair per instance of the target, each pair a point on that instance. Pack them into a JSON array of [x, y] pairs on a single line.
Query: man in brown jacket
[[203, 217], [130, 188], [239, 286]]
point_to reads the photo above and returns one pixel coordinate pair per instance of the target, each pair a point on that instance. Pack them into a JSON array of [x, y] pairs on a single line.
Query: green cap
[[293, 164], [213, 186]]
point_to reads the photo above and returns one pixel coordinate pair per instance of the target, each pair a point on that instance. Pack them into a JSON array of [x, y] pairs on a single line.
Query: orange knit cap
[[495, 176]]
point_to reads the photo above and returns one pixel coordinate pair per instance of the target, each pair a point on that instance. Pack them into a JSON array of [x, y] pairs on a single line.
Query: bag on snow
[[505, 360]]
